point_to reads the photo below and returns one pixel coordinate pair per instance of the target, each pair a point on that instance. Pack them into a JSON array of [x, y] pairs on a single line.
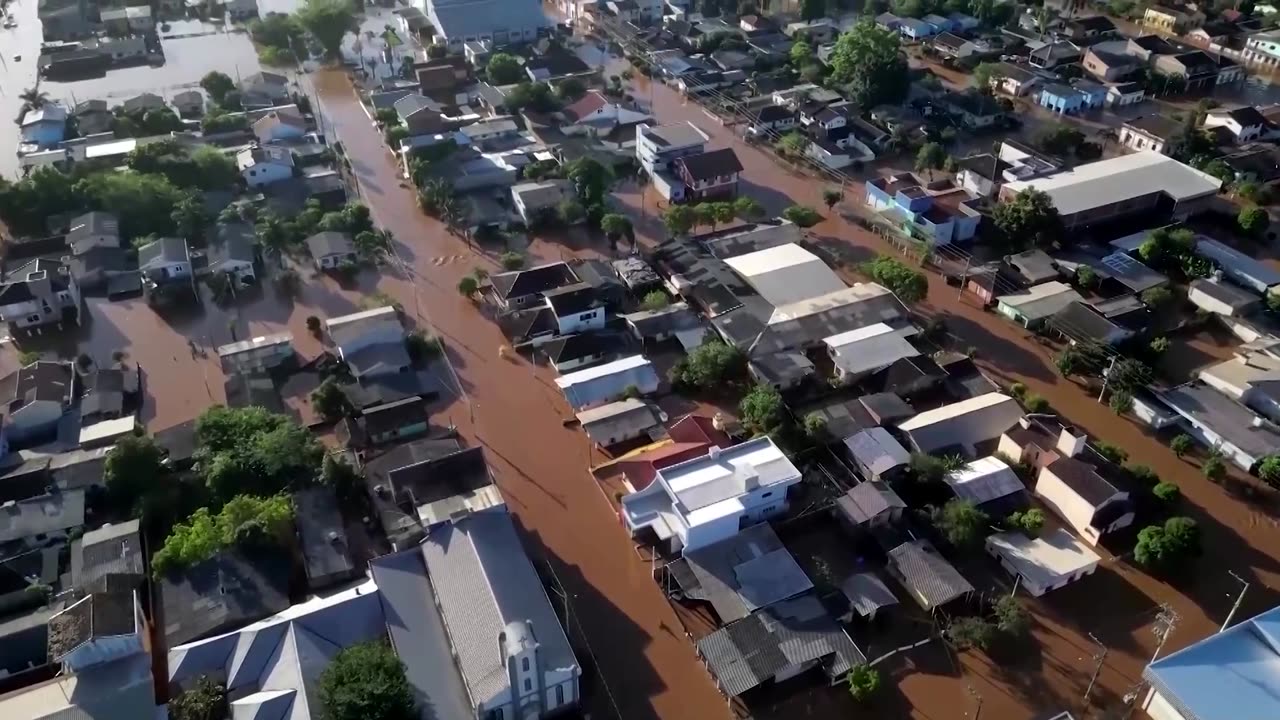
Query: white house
[[619, 421], [860, 352], [786, 274], [1043, 563], [964, 423], [256, 354], [1088, 502], [279, 125], [704, 500], [608, 382], [371, 342], [38, 396], [1245, 124], [332, 249], [263, 165], [1252, 379], [577, 308], [165, 259], [38, 293], [232, 252], [534, 199], [984, 480], [1222, 298]]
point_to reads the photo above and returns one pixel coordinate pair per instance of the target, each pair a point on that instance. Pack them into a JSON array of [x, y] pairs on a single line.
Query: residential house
[[658, 147], [988, 483], [858, 353], [322, 538], [104, 394], [92, 117], [950, 45], [471, 578], [257, 354], [265, 89], [977, 110], [983, 174], [786, 274], [1071, 99], [100, 627], [1081, 323], [332, 249], [1222, 298], [1122, 187], [1262, 49], [567, 353], [1109, 66], [1014, 80], [394, 420], [1054, 55], [39, 293], [232, 252], [620, 421], [1035, 305], [608, 382], [458, 22], [931, 581], [1089, 28], [877, 454], [110, 554], [1238, 662], [1242, 436], [773, 119], [576, 308], [915, 29], [188, 103], [93, 229], [1149, 132], [519, 289], [279, 125], [1080, 495], [1242, 269], [702, 501], [663, 324], [264, 164], [1196, 71], [709, 175], [912, 208], [1043, 563], [143, 103], [371, 342], [1125, 94], [870, 504], [1171, 21], [165, 260], [35, 398], [44, 126], [1252, 379], [537, 201], [1244, 123], [1032, 267], [888, 21], [966, 423]]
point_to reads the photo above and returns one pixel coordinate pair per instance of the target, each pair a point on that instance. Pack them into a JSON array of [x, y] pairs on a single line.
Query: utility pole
[[1106, 377], [1239, 599], [1098, 660], [1166, 621], [977, 712]]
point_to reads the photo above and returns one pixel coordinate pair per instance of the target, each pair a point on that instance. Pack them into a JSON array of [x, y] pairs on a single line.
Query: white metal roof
[[1043, 300], [711, 486], [954, 410], [599, 371], [1119, 179], [786, 274], [877, 450], [1043, 560], [869, 348], [984, 480]]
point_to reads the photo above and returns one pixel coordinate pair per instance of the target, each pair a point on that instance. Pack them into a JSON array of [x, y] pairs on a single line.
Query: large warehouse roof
[[1119, 179]]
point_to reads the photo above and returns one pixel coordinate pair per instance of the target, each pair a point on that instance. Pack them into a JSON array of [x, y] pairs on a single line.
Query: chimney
[[750, 478], [714, 452], [1070, 444]]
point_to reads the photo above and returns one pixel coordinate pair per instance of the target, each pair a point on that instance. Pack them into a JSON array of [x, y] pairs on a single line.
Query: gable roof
[[931, 580], [741, 574], [519, 283], [109, 550], [867, 500], [586, 105], [710, 165], [227, 590]]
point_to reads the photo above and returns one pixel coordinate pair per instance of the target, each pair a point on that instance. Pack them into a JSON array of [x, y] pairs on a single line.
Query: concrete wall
[[1064, 502]]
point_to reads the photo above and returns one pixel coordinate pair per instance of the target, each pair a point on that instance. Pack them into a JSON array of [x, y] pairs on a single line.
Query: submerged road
[[648, 666]]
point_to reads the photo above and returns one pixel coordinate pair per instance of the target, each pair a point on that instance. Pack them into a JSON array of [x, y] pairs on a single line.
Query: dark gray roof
[[926, 574], [844, 418], [486, 586], [323, 537], [394, 415], [741, 574], [573, 299], [109, 550], [867, 500], [519, 283], [378, 358], [886, 408], [1084, 479], [650, 323], [867, 593], [91, 224], [229, 590], [1080, 322], [568, 348], [710, 165], [424, 471], [41, 380], [1225, 292], [753, 650], [232, 241], [169, 250]]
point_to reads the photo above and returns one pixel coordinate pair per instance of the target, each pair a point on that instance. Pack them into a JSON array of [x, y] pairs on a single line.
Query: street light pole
[[1239, 599]]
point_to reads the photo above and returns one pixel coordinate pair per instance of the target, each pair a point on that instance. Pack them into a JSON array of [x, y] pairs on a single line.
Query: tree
[[748, 208], [930, 157], [1269, 470], [709, 365], [960, 522], [615, 226], [911, 286], [571, 90], [591, 179], [1214, 468], [1011, 617], [217, 120], [205, 700], [1035, 403], [503, 69], [971, 632], [218, 85], [329, 21], [655, 300], [570, 212], [532, 96], [1157, 297], [366, 682], [986, 75], [831, 196], [1030, 219], [1121, 402], [1163, 547], [928, 468], [868, 62], [329, 400], [511, 261], [33, 98], [761, 410], [190, 217], [1128, 375], [1167, 493], [815, 428], [1076, 360], [679, 219], [1111, 453], [864, 682], [1030, 522], [1181, 444], [1253, 221], [1086, 277], [1060, 139], [244, 518], [468, 286], [133, 468], [252, 450], [792, 146], [805, 217], [801, 54], [813, 9], [1159, 345]]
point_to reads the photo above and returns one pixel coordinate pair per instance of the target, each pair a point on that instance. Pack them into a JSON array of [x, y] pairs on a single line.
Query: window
[[767, 495], [528, 685], [524, 664], [559, 695]]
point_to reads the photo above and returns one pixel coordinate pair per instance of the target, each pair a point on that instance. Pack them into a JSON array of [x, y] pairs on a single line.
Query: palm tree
[[34, 98]]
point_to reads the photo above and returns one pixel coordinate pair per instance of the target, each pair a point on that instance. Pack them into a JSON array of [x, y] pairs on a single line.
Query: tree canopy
[[218, 85], [329, 21], [244, 518], [366, 682], [911, 286], [1029, 220], [762, 410], [133, 468], [252, 450], [1164, 547], [205, 700], [805, 217], [960, 522], [868, 62], [709, 365], [503, 69], [679, 219]]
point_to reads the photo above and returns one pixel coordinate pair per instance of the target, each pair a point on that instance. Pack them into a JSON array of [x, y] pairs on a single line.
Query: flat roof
[[1227, 418], [954, 410], [711, 486], [1120, 179], [1044, 560]]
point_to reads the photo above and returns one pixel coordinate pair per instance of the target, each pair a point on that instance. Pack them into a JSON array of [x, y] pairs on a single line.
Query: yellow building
[[1171, 22]]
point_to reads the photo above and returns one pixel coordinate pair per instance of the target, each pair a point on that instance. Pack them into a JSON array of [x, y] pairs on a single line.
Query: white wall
[[266, 173], [1159, 708], [1069, 506], [385, 331], [581, 322]]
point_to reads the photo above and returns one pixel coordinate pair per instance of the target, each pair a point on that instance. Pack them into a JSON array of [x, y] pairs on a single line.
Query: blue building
[[912, 209], [939, 23], [45, 125], [1232, 675], [914, 29], [1068, 100]]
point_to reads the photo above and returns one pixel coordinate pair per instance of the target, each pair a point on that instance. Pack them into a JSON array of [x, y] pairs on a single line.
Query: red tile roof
[[588, 104]]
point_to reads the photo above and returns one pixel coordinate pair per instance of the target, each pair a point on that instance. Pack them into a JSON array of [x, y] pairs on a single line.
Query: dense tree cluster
[[245, 519], [366, 682]]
